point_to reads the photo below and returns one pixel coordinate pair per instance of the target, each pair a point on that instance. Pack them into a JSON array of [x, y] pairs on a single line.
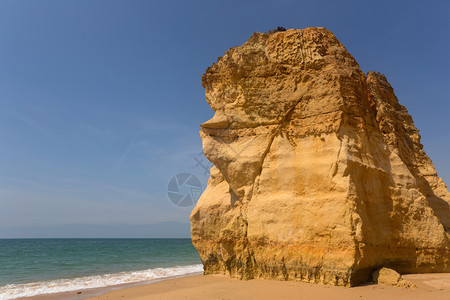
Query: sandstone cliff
[[319, 174]]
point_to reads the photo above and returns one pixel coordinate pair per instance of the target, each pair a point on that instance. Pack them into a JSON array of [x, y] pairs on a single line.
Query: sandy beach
[[429, 286]]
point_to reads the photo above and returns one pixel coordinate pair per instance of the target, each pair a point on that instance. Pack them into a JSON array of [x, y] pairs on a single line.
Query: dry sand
[[429, 287]]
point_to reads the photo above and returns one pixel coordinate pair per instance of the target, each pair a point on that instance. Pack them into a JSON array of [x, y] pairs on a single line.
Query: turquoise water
[[35, 266]]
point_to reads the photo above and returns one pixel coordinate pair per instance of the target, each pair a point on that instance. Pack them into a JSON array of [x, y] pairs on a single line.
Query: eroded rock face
[[319, 174]]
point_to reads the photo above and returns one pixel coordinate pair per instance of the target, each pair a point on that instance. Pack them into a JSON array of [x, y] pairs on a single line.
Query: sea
[[30, 267]]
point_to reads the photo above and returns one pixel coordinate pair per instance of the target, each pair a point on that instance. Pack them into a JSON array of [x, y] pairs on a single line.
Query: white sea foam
[[12, 291]]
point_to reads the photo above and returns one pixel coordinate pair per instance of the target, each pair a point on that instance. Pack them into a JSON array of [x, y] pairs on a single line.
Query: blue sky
[[101, 101]]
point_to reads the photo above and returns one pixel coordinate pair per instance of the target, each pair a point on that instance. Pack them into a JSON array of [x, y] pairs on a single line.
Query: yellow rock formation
[[319, 174]]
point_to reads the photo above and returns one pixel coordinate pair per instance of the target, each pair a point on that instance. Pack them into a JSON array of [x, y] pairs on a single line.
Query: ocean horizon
[[36, 266]]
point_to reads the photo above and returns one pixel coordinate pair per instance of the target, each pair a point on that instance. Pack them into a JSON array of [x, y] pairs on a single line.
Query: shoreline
[[93, 292], [429, 286], [215, 286]]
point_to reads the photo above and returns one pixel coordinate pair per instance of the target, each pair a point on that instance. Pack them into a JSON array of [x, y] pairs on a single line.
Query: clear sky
[[101, 101]]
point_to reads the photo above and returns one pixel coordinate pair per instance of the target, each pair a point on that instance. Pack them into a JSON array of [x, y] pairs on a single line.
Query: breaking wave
[[12, 291]]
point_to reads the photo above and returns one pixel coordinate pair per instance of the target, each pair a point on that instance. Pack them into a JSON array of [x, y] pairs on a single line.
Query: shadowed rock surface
[[319, 174]]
